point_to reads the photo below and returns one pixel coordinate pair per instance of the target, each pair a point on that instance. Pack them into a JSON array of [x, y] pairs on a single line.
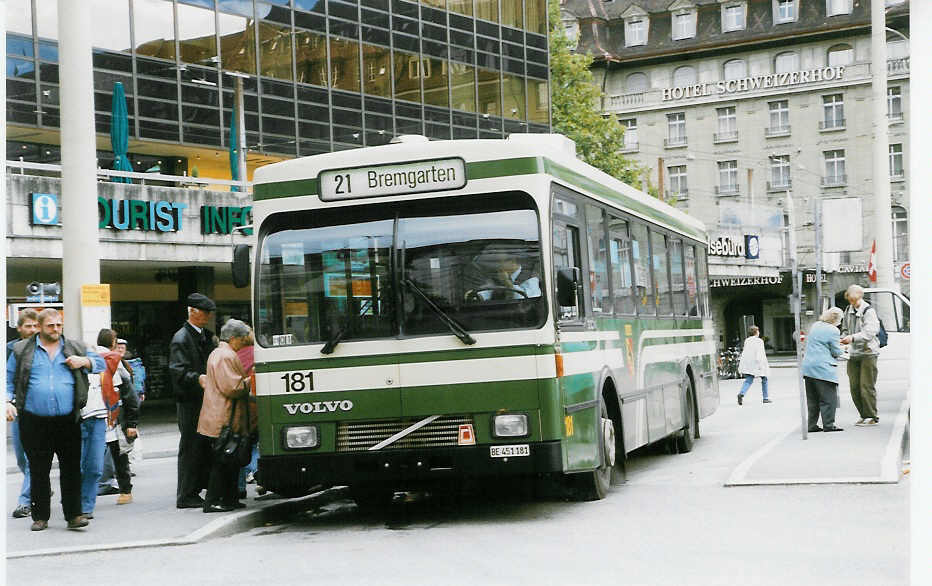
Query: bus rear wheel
[[594, 485], [687, 436]]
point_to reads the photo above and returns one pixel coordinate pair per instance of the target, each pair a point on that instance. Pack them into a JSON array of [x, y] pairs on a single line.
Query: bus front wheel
[[594, 485]]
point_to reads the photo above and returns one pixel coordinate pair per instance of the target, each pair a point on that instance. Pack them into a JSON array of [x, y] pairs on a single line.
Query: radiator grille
[[358, 436]]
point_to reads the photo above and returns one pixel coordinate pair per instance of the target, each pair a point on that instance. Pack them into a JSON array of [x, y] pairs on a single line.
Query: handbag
[[231, 447]]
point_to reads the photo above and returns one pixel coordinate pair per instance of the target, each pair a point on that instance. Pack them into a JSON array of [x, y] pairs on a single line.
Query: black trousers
[[223, 486], [822, 399], [121, 465], [193, 454], [42, 437]]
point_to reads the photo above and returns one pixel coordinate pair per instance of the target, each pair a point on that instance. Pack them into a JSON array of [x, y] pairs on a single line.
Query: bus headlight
[[300, 437], [509, 425]]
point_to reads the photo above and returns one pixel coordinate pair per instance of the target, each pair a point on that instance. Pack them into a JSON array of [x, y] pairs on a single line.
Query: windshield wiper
[[457, 329], [337, 337]]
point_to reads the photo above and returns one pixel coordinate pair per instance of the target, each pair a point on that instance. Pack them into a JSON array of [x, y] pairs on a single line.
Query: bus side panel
[[580, 407]]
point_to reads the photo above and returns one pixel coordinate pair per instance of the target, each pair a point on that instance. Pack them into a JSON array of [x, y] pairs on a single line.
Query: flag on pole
[[871, 265]]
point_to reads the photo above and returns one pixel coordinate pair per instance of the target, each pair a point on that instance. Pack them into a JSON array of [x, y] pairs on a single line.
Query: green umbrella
[[119, 133]]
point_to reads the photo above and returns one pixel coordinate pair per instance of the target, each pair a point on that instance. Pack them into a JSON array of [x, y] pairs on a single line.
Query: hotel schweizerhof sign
[[757, 82]]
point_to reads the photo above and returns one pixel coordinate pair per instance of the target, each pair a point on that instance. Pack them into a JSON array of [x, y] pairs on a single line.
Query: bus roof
[[519, 154]]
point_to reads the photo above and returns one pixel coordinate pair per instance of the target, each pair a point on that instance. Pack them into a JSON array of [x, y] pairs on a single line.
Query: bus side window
[[566, 255], [703, 283], [676, 276], [598, 261], [658, 248], [643, 288], [620, 256], [692, 291]]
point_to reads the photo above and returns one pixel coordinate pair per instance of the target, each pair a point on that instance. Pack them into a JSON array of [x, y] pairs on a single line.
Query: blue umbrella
[[234, 153], [119, 133]]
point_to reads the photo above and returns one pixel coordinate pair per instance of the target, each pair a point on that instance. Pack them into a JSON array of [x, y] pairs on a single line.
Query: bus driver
[[508, 282]]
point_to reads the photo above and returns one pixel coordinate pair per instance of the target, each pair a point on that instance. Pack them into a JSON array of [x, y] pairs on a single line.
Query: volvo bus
[[439, 310]]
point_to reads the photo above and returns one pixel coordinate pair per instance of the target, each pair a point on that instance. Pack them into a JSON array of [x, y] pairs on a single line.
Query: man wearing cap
[[187, 363]]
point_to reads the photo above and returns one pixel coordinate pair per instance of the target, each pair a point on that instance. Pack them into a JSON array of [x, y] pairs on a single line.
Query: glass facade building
[[323, 75]]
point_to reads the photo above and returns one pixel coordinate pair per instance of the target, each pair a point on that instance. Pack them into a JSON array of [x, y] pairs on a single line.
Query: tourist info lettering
[[400, 179]]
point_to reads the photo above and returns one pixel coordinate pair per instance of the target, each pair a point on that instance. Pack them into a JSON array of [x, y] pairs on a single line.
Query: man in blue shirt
[[46, 389], [27, 324]]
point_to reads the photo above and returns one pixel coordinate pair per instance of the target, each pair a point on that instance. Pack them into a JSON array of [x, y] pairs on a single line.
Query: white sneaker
[[859, 422]]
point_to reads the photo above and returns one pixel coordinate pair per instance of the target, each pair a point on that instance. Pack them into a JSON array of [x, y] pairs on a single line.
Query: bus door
[[579, 346]]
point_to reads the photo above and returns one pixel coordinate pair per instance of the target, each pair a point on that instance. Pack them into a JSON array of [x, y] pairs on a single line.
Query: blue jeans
[[251, 467], [748, 380], [93, 444], [23, 464]]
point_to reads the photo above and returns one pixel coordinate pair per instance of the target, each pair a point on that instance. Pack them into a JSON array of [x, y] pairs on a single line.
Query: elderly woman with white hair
[[227, 389], [820, 372]]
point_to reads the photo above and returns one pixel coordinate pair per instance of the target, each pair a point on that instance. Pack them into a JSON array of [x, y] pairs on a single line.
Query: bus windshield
[[363, 272]]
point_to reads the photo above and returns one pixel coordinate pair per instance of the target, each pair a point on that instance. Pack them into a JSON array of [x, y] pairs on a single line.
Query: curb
[[224, 526], [150, 455], [889, 467]]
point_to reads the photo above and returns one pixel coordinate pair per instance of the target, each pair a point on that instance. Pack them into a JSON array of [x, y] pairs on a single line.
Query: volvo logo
[[318, 407]]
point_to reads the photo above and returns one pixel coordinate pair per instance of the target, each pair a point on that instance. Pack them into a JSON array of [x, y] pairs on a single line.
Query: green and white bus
[[430, 310]]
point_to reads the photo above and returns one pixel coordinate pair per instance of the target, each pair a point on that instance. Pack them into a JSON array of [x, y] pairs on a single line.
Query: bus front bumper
[[292, 472]]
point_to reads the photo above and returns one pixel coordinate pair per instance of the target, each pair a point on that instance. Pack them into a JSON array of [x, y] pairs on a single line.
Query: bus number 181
[[295, 381]]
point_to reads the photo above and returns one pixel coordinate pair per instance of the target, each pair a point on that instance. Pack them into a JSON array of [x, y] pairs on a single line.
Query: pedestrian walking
[[46, 389], [94, 422], [27, 324], [187, 364], [225, 403], [820, 372], [753, 363], [859, 329]]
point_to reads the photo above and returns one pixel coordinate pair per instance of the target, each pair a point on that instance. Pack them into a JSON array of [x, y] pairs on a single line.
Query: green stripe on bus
[[291, 188], [407, 358], [503, 168]]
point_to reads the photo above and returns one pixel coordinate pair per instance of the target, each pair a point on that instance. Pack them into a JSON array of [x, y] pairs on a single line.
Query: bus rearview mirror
[[567, 281], [241, 265]]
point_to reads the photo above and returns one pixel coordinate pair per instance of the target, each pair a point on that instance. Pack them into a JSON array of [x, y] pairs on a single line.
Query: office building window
[[779, 116], [785, 11], [834, 167], [728, 177], [780, 172], [837, 7], [733, 16], [677, 175], [786, 62], [676, 128], [631, 133], [636, 83], [895, 103], [684, 75], [736, 69], [840, 55], [727, 124], [636, 31], [900, 234], [833, 110], [896, 161], [684, 24]]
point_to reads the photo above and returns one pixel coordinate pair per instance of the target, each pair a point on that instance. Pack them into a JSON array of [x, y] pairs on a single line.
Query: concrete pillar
[[883, 231], [81, 257]]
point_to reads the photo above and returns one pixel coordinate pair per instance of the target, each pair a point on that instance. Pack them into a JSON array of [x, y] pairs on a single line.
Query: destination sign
[[398, 179]]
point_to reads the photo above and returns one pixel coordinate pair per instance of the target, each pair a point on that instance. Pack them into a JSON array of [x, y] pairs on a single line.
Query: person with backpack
[[860, 327]]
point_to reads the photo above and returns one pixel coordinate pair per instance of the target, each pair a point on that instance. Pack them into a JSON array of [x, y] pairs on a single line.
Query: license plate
[[509, 451]]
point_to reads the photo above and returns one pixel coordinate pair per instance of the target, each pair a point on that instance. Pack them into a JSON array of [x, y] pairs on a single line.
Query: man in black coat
[[187, 363]]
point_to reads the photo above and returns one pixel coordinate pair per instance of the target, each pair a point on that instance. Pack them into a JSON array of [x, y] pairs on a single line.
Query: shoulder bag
[[233, 447]]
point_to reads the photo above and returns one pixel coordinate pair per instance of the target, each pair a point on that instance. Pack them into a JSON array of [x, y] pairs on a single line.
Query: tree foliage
[[575, 101]]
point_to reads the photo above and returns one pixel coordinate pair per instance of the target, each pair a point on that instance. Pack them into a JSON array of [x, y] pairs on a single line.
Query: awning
[[717, 271]]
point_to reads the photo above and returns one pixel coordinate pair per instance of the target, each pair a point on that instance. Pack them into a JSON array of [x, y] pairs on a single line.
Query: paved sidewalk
[[855, 455]]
